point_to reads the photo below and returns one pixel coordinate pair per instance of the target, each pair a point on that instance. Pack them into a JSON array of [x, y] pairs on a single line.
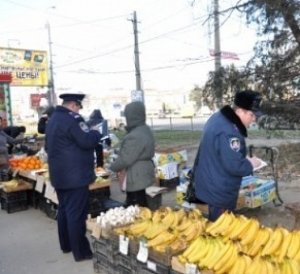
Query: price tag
[[39, 183], [123, 244], [142, 255], [191, 269], [151, 266], [15, 173]]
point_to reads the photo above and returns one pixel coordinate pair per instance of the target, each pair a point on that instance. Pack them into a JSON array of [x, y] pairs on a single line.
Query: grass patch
[[167, 139]]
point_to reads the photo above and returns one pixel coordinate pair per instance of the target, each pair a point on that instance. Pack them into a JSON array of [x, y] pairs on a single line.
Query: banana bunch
[[154, 229], [210, 253], [275, 241], [289, 266], [241, 264], [160, 214], [164, 238], [262, 237], [262, 266], [145, 213], [138, 228], [221, 224], [194, 230], [11, 184]]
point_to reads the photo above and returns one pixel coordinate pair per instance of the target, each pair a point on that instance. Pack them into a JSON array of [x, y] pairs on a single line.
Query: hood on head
[[135, 114]]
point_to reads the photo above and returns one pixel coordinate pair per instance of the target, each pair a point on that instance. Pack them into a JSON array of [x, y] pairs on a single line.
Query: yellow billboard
[[28, 67]]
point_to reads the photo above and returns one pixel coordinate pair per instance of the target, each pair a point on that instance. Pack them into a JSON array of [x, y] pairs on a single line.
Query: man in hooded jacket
[[135, 155]]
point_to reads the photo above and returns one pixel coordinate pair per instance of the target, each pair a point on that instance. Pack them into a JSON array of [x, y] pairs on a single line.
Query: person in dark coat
[[134, 161], [96, 119], [14, 132], [222, 160], [70, 145], [44, 119]]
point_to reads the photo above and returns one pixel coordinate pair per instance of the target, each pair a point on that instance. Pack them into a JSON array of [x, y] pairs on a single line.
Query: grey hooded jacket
[[137, 149]]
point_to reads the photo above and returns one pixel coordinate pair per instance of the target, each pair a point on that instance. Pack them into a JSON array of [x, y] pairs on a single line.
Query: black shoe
[[66, 251], [86, 257]]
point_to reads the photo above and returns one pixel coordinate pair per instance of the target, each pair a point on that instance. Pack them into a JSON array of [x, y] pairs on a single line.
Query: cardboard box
[[264, 193]]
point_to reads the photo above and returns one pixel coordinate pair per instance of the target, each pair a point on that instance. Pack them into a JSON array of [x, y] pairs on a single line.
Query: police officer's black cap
[[72, 97], [249, 100]]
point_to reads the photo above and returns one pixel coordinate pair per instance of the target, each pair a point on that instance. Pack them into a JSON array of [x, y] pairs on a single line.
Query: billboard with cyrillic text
[[27, 67]]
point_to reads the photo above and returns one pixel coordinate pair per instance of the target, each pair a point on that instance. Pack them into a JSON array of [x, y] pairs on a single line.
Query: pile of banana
[[236, 244], [166, 228]]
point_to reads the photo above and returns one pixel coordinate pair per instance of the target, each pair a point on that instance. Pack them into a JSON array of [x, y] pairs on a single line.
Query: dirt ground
[[286, 163]]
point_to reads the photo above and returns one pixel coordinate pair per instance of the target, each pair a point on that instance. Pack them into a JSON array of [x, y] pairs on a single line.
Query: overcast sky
[[92, 41]]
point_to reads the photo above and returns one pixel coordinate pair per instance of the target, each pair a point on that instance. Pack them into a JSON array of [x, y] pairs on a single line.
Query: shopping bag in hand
[[122, 178]]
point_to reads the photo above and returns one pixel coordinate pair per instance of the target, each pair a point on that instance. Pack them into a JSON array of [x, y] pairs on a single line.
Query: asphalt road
[[195, 123]]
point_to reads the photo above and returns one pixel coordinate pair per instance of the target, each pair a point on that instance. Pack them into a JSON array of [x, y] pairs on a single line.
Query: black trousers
[[136, 198], [71, 221]]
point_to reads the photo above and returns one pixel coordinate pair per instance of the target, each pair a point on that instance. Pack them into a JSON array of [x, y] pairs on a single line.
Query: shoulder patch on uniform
[[235, 144], [84, 126]]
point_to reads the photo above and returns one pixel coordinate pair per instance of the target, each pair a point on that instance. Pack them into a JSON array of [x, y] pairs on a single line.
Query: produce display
[[232, 244], [26, 163], [166, 230]]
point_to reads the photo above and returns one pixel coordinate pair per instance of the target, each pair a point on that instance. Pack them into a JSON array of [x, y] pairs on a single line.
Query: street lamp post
[[51, 88]]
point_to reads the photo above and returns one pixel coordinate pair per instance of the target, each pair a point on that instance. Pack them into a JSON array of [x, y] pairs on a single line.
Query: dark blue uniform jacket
[[222, 162], [70, 146]]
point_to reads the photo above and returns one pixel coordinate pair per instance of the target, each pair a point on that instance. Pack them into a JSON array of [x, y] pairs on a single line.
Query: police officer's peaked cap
[[72, 97], [249, 100]]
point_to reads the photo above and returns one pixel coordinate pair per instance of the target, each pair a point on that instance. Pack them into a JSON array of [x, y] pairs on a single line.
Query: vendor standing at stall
[[222, 159], [6, 142], [70, 145]]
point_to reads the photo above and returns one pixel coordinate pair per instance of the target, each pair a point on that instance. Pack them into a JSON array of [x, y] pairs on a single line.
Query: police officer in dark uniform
[[70, 145], [222, 159]]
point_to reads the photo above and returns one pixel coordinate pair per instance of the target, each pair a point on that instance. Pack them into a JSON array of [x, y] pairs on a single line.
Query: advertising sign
[[27, 67]]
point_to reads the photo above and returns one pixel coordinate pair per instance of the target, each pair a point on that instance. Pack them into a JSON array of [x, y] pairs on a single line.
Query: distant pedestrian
[[44, 119]]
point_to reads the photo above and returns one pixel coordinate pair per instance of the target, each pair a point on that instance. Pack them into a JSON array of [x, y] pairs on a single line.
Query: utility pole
[[138, 93], [218, 80], [51, 90]]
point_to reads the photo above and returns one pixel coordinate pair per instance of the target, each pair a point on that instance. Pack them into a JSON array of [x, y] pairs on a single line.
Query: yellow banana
[[200, 252], [294, 265], [244, 224], [251, 233], [231, 250], [168, 219], [145, 213], [195, 243], [294, 246], [254, 267], [192, 231], [161, 238], [184, 224], [287, 268], [285, 247], [157, 216], [263, 236], [223, 249], [210, 253], [234, 224], [270, 267], [154, 229], [297, 256], [239, 266], [195, 213], [138, 228], [273, 243], [223, 224], [225, 268], [248, 261], [216, 223]]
